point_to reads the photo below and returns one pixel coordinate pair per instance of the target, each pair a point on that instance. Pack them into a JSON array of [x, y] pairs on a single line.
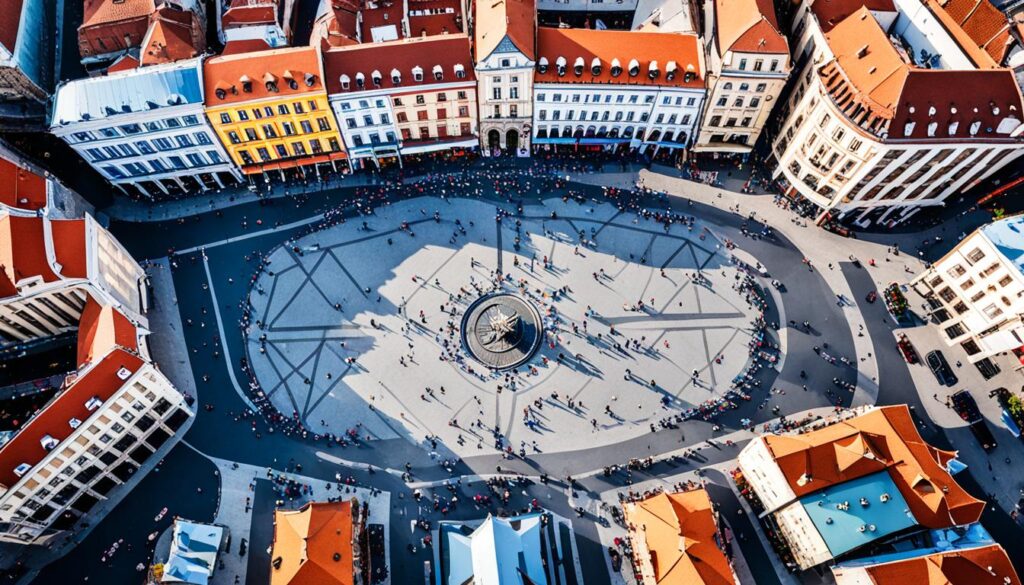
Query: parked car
[[940, 367], [965, 405]]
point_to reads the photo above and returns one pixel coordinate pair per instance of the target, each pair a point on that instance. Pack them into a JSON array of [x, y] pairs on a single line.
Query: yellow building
[[270, 110]]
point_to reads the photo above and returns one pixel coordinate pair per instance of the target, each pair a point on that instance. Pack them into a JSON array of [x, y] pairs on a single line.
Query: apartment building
[[256, 25], [52, 267], [144, 129], [748, 64], [976, 291], [25, 58], [113, 29], [615, 90], [504, 50], [895, 108], [839, 487], [404, 97], [270, 110], [78, 454]]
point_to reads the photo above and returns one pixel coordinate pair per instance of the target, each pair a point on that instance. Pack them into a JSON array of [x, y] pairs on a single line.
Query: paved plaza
[[354, 324]]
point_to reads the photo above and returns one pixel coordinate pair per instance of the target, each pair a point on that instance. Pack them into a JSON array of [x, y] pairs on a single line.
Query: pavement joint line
[[224, 343], [341, 265], [272, 230]]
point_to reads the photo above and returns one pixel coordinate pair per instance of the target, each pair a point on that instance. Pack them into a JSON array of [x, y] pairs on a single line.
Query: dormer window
[[345, 82], [220, 93], [270, 81], [438, 72], [417, 74], [246, 82], [652, 70], [74, 423], [360, 80], [396, 77], [542, 65], [124, 373], [93, 403], [595, 67], [577, 66], [48, 442], [22, 469], [616, 68], [376, 77], [690, 74], [460, 71], [634, 68], [310, 79], [290, 80], [670, 70], [560, 65]]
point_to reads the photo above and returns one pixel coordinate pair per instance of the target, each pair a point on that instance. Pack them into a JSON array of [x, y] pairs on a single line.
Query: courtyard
[[357, 326]]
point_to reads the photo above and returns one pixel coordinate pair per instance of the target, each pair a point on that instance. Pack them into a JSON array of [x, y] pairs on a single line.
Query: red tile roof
[[608, 45], [301, 64], [238, 47], [337, 24], [749, 26], [313, 545], [169, 38], [101, 329], [126, 62], [496, 19], [100, 381], [10, 23], [243, 15], [985, 24], [382, 15], [21, 188], [448, 51], [69, 247], [830, 12], [985, 565], [99, 12], [882, 439], [22, 252]]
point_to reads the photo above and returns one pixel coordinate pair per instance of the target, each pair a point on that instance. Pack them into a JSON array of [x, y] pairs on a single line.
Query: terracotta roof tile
[[21, 188], [985, 565], [496, 19], [882, 439], [126, 62], [748, 26], [831, 12], [69, 247], [101, 329], [248, 15], [314, 545], [168, 39], [680, 535], [448, 51], [607, 45], [238, 47], [97, 12], [985, 24], [262, 68], [100, 381], [22, 252]]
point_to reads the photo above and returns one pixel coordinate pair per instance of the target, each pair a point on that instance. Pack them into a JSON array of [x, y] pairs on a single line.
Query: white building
[[404, 97], [145, 130], [977, 290], [617, 90], [504, 45], [71, 460], [895, 109], [748, 64]]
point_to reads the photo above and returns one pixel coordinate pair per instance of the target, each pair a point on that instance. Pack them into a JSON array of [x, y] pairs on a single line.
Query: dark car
[[965, 405], [940, 367]]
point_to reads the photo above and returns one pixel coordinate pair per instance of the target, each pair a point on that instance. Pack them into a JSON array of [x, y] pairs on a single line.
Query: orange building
[[982, 565], [314, 545], [270, 109], [676, 540]]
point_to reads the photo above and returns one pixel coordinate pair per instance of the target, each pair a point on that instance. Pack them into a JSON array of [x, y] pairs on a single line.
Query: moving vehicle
[[965, 405], [940, 367]]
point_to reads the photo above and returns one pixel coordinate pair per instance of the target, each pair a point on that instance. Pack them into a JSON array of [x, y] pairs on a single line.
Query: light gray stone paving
[[332, 347]]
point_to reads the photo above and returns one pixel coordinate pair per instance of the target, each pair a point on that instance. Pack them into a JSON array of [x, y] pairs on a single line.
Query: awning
[[722, 147], [1010, 424]]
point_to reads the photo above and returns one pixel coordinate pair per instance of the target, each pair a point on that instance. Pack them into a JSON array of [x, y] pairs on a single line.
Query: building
[[676, 540], [504, 50], [25, 52], [113, 418], [257, 25], [748, 64], [834, 491], [336, 24], [112, 29], [896, 108], [144, 129], [270, 110], [317, 545], [26, 193], [192, 557], [974, 564], [529, 548], [617, 91], [405, 97], [52, 267], [976, 291]]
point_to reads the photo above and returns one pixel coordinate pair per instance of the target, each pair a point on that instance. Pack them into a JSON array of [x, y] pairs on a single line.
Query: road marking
[[224, 339]]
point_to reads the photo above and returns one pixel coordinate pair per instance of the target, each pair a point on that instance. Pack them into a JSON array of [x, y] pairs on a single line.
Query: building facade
[[24, 50], [144, 130], [976, 291], [504, 49], [872, 131], [112, 29], [405, 97], [270, 110], [748, 64], [617, 90]]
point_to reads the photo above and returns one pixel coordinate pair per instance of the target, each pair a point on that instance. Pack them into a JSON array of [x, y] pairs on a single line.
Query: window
[[202, 138], [461, 95], [172, 123], [992, 311], [264, 154], [131, 128], [183, 140], [513, 93], [299, 148], [758, 64], [956, 271], [496, 92], [721, 102], [335, 146], [761, 87], [420, 100], [743, 64], [281, 150], [190, 120], [268, 111], [774, 65], [975, 255], [243, 115], [442, 97], [299, 109], [350, 122], [250, 134], [967, 284], [307, 128], [463, 111], [282, 109], [1005, 281], [754, 102], [716, 120], [398, 101], [270, 132], [737, 103], [257, 113], [233, 137], [143, 147]]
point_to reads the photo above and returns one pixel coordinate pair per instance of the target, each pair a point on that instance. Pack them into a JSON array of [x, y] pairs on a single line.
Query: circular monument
[[501, 330]]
